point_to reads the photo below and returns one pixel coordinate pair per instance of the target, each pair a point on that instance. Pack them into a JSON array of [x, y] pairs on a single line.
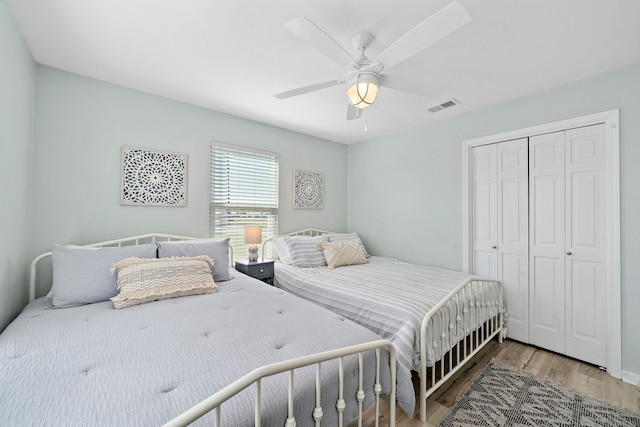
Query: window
[[244, 191]]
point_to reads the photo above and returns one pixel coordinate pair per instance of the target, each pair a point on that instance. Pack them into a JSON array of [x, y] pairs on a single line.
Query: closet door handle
[[569, 253], [494, 247]]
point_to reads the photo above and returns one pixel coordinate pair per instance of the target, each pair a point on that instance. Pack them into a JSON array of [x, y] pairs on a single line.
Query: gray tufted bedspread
[[143, 365]]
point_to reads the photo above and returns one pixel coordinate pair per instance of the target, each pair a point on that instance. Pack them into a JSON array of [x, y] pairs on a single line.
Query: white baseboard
[[631, 378]]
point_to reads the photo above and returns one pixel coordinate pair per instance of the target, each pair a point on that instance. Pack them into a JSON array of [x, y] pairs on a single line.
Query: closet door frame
[[612, 212]]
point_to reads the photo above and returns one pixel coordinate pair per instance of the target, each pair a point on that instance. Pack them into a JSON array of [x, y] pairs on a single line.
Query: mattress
[[144, 365], [388, 296]]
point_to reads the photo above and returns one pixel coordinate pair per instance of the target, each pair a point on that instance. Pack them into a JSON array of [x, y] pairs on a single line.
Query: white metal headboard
[[125, 241], [304, 232]]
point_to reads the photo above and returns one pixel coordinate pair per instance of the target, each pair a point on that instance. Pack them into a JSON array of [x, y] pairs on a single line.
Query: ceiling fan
[[364, 76]]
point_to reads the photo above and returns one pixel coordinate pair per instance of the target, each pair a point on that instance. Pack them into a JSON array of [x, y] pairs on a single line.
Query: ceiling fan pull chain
[[366, 117]]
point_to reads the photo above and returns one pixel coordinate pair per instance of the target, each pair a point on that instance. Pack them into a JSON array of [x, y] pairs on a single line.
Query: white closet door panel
[[586, 322], [513, 230], [547, 292], [547, 212], [484, 228], [547, 191], [513, 227], [547, 246], [485, 211], [516, 294], [585, 227], [586, 191], [484, 264]]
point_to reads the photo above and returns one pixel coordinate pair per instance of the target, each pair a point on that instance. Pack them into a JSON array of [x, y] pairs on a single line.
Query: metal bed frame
[[472, 310], [254, 378]]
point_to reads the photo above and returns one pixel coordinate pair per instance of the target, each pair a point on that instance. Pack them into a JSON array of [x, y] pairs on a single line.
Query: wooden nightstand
[[258, 270]]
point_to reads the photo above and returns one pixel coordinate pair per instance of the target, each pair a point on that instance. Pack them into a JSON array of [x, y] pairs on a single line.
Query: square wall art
[[153, 177]]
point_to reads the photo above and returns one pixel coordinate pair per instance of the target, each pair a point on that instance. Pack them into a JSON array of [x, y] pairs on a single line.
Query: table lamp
[[253, 236]]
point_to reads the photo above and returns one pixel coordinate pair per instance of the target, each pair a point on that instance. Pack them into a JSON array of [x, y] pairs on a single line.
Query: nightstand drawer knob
[[262, 270]]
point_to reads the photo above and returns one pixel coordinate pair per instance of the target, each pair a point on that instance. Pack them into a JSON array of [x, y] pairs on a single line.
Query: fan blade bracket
[[376, 67]]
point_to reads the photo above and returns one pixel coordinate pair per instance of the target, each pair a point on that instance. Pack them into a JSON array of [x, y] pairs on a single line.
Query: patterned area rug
[[505, 396]]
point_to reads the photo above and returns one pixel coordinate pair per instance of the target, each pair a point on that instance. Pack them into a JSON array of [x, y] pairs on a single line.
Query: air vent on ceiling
[[446, 104]]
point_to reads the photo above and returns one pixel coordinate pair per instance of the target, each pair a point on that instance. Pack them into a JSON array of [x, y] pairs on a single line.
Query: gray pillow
[[216, 249], [82, 275]]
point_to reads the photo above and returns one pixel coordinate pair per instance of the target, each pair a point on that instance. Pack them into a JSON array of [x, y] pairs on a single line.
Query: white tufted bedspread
[[143, 365]]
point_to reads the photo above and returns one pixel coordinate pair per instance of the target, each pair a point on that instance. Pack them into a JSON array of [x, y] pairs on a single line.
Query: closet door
[[485, 211], [585, 244], [513, 234], [547, 241], [500, 226]]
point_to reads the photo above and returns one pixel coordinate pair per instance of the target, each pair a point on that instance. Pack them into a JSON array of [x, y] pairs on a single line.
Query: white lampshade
[[253, 234], [362, 90]]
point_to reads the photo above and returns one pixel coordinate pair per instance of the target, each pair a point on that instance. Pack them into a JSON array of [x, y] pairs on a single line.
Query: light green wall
[[405, 190], [81, 124], [17, 85]]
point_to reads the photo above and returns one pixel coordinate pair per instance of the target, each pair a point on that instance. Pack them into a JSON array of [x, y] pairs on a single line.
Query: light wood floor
[[567, 372]]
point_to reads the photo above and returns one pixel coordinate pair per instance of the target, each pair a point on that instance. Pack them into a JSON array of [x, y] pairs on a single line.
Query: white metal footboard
[[215, 401], [456, 329]]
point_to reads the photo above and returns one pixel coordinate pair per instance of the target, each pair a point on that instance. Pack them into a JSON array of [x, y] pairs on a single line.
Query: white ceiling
[[233, 56]]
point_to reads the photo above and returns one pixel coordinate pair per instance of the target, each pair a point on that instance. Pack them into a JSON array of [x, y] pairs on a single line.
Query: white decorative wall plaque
[[308, 189], [153, 177]]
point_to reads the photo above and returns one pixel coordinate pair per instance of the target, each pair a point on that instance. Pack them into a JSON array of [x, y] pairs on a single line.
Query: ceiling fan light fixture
[[362, 90]]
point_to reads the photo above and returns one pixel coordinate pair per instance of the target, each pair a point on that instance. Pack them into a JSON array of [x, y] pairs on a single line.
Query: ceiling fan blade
[[353, 112], [316, 37], [423, 35], [415, 86], [307, 89]]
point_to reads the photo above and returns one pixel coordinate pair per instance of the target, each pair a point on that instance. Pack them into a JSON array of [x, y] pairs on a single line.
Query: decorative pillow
[[146, 280], [346, 237], [303, 251], [216, 249], [81, 274], [338, 254]]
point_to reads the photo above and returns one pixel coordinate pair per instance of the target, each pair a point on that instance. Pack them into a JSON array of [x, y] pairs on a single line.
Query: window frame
[[241, 197]]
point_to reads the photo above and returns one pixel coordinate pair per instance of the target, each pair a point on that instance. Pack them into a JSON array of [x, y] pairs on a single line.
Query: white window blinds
[[244, 191]]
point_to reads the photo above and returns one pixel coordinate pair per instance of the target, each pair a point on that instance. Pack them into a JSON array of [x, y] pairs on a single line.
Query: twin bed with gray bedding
[[143, 365]]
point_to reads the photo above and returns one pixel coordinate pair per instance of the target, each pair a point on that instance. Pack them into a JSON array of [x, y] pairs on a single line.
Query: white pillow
[[145, 280], [338, 254], [280, 247]]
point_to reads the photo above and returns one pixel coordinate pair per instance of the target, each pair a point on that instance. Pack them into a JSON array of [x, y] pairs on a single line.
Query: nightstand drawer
[[261, 271]]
